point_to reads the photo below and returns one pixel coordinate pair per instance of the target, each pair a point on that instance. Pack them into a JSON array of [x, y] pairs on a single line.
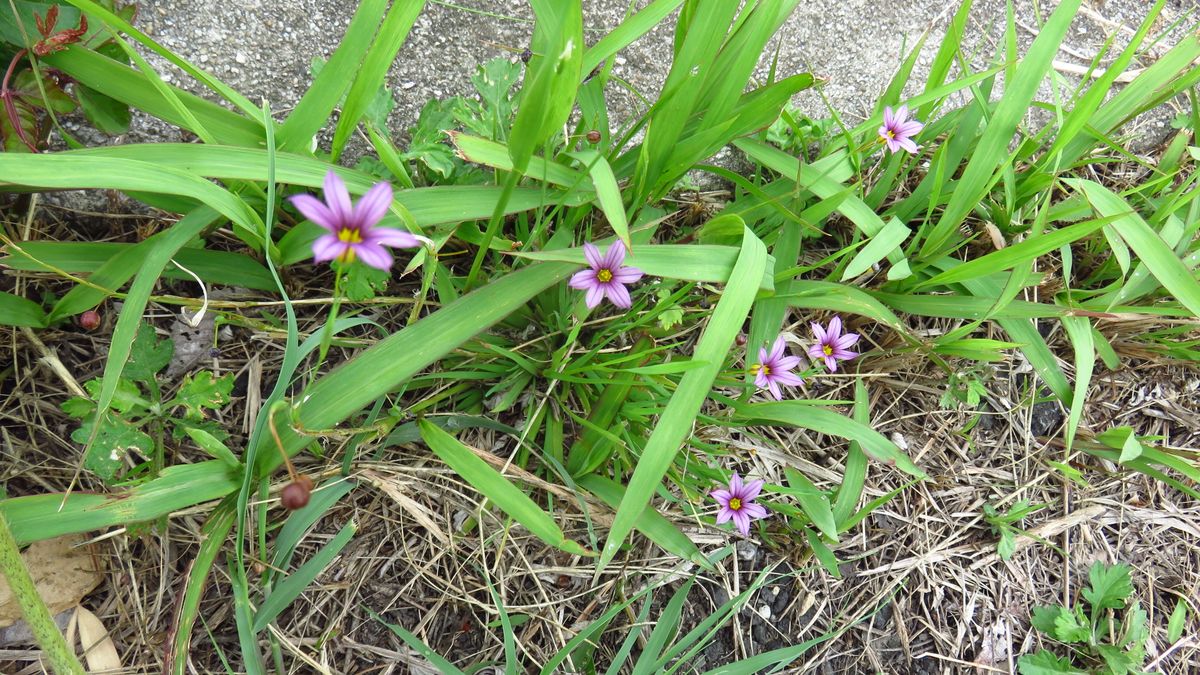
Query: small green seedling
[[140, 417], [1005, 524], [1097, 638]]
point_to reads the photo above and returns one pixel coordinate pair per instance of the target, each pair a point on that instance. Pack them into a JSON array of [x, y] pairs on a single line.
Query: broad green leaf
[[1080, 331], [1044, 662], [1109, 586], [884, 242], [213, 446], [497, 488], [148, 354], [651, 523], [551, 78], [677, 419], [608, 194], [814, 502], [17, 311]]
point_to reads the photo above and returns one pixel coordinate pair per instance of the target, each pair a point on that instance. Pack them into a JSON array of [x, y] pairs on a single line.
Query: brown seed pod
[[740, 339], [593, 136], [295, 494], [89, 320]]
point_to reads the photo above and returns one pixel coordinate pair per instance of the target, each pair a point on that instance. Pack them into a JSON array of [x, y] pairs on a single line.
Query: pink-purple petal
[[327, 247], [721, 495], [835, 328], [831, 363], [724, 515], [773, 387], [595, 294], [373, 206], [619, 295], [593, 257], [615, 256], [338, 198], [742, 522], [374, 255], [627, 275], [786, 363], [735, 484], [789, 379], [751, 489], [908, 145], [392, 237], [777, 350], [755, 511], [315, 210], [583, 279]]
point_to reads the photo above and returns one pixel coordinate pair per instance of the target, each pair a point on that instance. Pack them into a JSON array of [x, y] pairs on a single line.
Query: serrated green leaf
[[148, 355], [1070, 628], [114, 440], [126, 398], [1110, 586], [1045, 663], [201, 391], [363, 282]]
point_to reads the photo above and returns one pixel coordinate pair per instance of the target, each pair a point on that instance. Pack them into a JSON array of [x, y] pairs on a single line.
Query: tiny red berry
[[295, 494], [89, 320]]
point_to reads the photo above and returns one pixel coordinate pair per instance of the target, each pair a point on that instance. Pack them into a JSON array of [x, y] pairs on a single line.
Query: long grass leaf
[[290, 588], [680, 414], [496, 488]]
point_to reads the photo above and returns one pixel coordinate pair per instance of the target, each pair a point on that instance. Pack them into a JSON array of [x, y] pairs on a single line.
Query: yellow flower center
[[735, 504], [758, 367], [349, 236], [604, 276], [828, 350], [891, 134]]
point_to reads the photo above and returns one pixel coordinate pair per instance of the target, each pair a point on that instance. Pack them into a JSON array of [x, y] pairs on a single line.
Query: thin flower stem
[[37, 615], [327, 335], [287, 461]]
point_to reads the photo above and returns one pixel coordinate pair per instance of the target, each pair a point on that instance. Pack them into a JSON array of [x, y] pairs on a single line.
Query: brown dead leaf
[[97, 647], [63, 572]]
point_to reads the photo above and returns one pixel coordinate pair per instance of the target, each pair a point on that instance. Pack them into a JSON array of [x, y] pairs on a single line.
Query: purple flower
[[607, 277], [774, 369], [352, 229], [897, 130], [737, 503], [832, 345]]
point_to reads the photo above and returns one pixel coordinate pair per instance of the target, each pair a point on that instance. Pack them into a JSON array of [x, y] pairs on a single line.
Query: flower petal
[[847, 340], [722, 496], [818, 332], [751, 489], [835, 329], [315, 210], [893, 144], [327, 247], [338, 198], [583, 279], [724, 515], [619, 295], [373, 206], [374, 255], [785, 364], [616, 255], [889, 120], [773, 387], [626, 275], [817, 351], [901, 114], [755, 511], [909, 145], [760, 380], [742, 522], [392, 237], [592, 255], [789, 379], [831, 363], [735, 484], [777, 351], [594, 295]]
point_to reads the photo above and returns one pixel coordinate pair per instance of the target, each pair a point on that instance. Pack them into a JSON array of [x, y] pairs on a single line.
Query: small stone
[[765, 612]]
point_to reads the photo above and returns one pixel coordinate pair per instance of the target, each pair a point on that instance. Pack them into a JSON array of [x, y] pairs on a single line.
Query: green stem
[[327, 334], [58, 652], [493, 225]]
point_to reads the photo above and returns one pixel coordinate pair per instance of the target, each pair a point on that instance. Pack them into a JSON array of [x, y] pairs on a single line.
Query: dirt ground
[[921, 588]]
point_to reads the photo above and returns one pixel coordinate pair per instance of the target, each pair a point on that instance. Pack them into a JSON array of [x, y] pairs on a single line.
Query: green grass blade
[[297, 524], [651, 523], [551, 77], [704, 263], [290, 588], [496, 155], [608, 194], [414, 643], [1079, 329], [373, 71], [1159, 258], [814, 503], [496, 488], [854, 477], [117, 80], [666, 625], [806, 416], [884, 242], [993, 146], [315, 108], [680, 414], [627, 32], [212, 539], [45, 516]]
